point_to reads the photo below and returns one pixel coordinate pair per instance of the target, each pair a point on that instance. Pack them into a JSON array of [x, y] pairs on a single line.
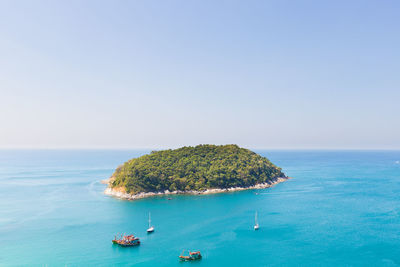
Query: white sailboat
[[256, 226], [151, 228]]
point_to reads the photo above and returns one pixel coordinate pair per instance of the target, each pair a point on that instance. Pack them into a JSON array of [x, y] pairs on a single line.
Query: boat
[[256, 226], [192, 256], [126, 241], [151, 228]]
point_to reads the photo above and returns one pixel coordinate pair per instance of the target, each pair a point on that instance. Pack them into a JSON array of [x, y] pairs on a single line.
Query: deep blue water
[[342, 208]]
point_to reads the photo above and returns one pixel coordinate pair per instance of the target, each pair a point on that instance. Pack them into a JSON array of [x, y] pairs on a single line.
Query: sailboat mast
[[149, 220]]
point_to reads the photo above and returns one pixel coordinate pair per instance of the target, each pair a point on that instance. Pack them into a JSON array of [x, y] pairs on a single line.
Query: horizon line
[[176, 147]]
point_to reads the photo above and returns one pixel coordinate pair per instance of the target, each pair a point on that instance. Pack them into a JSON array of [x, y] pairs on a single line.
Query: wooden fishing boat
[[192, 256], [126, 241]]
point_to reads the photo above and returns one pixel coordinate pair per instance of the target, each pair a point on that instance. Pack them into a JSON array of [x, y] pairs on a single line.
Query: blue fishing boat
[[192, 256]]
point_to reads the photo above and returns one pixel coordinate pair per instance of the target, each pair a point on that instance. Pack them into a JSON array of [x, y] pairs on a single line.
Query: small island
[[202, 169]]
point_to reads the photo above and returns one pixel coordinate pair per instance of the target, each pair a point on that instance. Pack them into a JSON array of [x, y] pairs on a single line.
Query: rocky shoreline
[[120, 192]]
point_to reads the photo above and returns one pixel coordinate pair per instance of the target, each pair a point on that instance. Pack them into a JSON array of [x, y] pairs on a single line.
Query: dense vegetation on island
[[194, 168]]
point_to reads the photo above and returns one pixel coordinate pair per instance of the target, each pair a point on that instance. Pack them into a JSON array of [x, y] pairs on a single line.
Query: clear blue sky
[[154, 74]]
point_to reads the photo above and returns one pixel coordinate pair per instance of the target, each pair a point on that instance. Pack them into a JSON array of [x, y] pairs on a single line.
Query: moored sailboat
[[256, 226], [151, 228]]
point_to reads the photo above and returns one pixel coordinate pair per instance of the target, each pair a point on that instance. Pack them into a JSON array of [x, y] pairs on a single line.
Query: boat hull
[[187, 258], [126, 244], [129, 245]]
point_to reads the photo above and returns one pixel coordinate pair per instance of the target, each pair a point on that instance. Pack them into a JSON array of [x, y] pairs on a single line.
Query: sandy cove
[[120, 192]]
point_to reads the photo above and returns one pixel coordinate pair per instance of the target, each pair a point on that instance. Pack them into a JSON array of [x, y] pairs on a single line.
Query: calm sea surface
[[341, 209]]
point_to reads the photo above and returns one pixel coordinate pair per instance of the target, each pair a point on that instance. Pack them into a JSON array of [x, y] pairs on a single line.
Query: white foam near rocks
[[120, 194]]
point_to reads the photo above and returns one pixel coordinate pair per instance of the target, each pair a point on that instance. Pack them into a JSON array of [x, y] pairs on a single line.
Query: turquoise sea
[[342, 208]]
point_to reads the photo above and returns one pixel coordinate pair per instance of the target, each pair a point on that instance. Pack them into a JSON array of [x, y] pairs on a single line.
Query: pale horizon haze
[[159, 74]]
